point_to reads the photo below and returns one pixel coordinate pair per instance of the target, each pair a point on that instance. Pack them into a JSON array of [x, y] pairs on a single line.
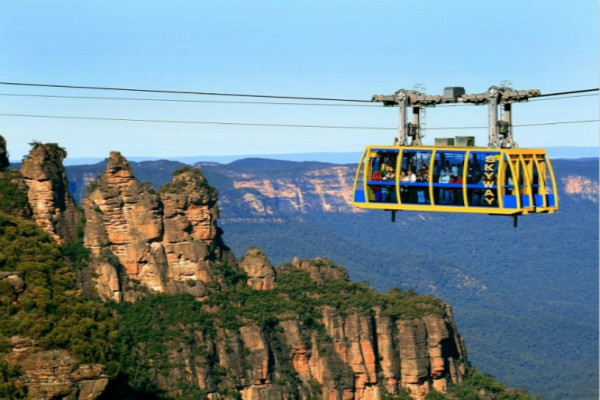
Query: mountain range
[[526, 299], [134, 294]]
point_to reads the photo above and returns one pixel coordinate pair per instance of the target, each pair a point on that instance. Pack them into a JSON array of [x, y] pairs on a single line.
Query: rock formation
[[55, 374], [167, 241], [346, 355], [261, 274], [582, 187], [48, 191], [325, 188], [163, 242]]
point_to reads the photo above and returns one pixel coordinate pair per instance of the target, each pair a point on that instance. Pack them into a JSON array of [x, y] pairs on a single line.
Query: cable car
[[500, 179]]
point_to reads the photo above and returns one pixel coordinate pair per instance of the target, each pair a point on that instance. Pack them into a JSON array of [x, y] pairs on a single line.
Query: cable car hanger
[[500, 131]]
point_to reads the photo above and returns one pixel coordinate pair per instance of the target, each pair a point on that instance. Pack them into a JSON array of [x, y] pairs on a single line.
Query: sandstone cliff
[[56, 374], [308, 347], [48, 191], [294, 188], [143, 240], [581, 186]]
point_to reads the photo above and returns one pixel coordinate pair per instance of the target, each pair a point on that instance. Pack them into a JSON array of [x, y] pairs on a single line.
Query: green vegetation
[[152, 329], [477, 386], [49, 310], [10, 386], [12, 198], [196, 179]]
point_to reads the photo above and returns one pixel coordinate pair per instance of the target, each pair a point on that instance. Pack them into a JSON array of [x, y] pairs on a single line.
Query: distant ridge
[[328, 157]]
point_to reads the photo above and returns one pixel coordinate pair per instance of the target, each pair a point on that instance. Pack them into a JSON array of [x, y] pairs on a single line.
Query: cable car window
[[382, 175], [415, 177], [483, 168], [448, 175]]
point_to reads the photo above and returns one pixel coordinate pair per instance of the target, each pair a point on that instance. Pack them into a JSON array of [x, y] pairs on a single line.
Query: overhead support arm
[[500, 134], [493, 133], [404, 99]]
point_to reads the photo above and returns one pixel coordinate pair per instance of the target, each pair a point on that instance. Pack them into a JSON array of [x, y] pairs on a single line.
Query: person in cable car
[[444, 178], [403, 189]]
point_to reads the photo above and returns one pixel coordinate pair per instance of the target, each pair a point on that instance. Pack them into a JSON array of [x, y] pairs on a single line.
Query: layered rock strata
[[56, 374], [48, 192], [261, 274], [354, 356], [145, 240]]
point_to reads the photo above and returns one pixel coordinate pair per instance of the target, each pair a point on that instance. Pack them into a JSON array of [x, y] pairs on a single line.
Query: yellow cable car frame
[[510, 181]]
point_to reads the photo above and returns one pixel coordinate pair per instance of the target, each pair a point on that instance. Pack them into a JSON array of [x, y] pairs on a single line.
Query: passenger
[[403, 188], [451, 190], [411, 176], [478, 193], [454, 170], [389, 174], [422, 177], [412, 193], [386, 192], [459, 192], [444, 178], [384, 169], [436, 170], [435, 178]]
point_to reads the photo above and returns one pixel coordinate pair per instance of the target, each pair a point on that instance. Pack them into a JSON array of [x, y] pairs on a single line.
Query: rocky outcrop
[[48, 192], [144, 240], [261, 274], [321, 269], [582, 187], [344, 355], [14, 279], [56, 374], [325, 188]]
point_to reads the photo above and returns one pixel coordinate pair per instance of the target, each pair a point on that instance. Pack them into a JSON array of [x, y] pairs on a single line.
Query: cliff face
[[140, 239], [344, 355], [56, 374], [581, 187], [323, 188], [48, 192]]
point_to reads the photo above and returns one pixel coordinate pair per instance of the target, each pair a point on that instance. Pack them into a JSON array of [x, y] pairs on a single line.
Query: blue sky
[[333, 49]]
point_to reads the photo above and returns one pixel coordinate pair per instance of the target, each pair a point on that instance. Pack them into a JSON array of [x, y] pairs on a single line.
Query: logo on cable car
[[489, 178]]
